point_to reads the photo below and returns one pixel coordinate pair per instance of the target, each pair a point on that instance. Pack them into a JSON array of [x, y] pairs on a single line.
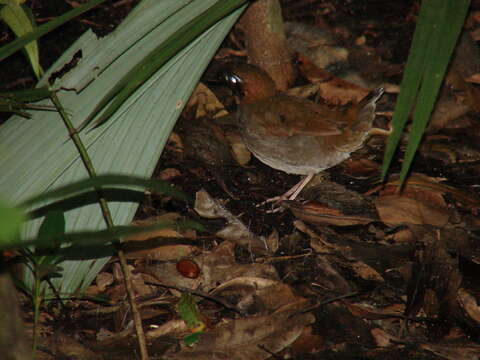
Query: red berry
[[188, 268]]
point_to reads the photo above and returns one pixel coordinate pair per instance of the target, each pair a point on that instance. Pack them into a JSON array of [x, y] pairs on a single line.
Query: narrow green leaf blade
[[105, 181], [19, 43], [17, 20], [85, 239], [28, 95], [18, 101], [448, 24], [411, 81]]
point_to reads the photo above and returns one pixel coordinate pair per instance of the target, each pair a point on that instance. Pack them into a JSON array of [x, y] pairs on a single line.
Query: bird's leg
[[382, 132], [291, 194], [297, 188], [379, 131]]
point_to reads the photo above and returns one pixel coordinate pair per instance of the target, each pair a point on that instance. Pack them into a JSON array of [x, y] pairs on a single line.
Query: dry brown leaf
[[375, 313], [421, 202], [235, 231], [464, 65], [152, 245], [454, 350], [240, 152], [308, 343], [139, 286], [165, 252], [257, 295], [169, 174], [397, 210], [317, 44], [272, 241], [332, 89], [206, 102], [243, 339], [447, 109], [305, 91], [332, 204], [475, 78], [366, 272], [66, 346], [172, 327], [470, 305], [167, 274], [432, 185], [329, 278], [319, 214], [435, 281], [360, 168], [175, 143], [170, 217], [103, 280], [110, 338], [382, 338], [216, 268]]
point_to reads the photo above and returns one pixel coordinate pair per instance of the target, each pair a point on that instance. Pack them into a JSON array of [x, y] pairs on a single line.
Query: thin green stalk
[[108, 220]]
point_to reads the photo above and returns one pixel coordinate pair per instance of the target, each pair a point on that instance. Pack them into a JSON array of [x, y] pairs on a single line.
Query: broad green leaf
[[11, 220], [159, 56], [15, 17], [36, 154]]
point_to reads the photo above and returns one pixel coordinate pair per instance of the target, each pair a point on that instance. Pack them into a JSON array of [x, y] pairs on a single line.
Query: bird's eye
[[233, 79], [235, 83]]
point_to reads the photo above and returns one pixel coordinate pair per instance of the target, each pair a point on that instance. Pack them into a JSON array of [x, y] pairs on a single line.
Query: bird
[[292, 134]]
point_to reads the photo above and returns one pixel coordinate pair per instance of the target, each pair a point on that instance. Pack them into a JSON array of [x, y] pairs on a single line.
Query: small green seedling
[[188, 310]]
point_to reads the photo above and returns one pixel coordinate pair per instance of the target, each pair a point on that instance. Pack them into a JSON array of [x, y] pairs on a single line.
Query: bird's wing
[[288, 116]]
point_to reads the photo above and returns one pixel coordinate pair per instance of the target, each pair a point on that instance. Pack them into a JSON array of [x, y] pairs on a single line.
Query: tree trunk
[[266, 43]]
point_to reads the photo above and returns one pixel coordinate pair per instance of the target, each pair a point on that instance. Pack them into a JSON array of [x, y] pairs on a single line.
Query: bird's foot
[[291, 194]]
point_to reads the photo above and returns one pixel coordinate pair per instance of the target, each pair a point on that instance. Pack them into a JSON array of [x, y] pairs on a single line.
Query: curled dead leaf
[[235, 230]]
